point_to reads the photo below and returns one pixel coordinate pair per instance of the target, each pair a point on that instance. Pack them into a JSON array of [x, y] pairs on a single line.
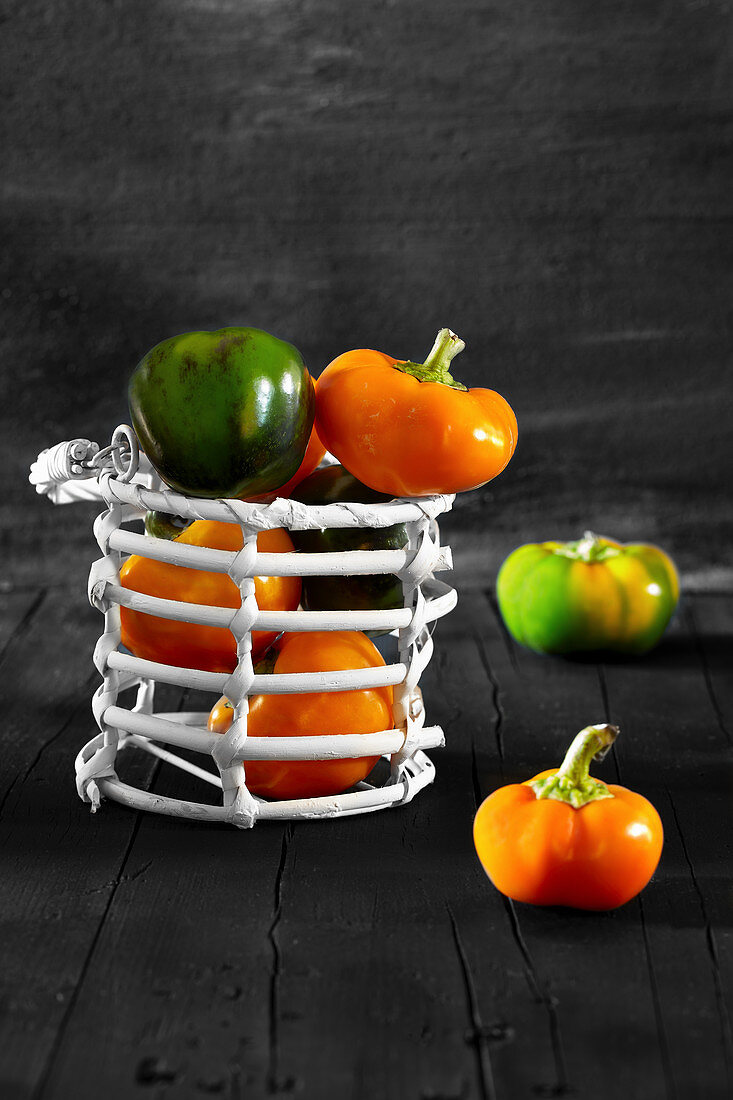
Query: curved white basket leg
[[101, 764]]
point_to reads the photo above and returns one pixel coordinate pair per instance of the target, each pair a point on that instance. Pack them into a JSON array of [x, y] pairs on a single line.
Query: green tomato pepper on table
[[591, 594], [381, 592], [223, 414]]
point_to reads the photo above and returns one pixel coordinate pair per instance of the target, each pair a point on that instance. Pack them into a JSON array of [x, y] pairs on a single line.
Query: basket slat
[[281, 513], [285, 683], [357, 563], [169, 674], [204, 614], [171, 758], [207, 615], [376, 798], [316, 747], [177, 553]]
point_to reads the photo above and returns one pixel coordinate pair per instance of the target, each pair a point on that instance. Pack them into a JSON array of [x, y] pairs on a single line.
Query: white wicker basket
[[123, 478]]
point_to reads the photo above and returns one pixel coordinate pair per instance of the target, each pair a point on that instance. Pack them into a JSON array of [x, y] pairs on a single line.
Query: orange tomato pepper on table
[[564, 838], [409, 429], [189, 645], [313, 714]]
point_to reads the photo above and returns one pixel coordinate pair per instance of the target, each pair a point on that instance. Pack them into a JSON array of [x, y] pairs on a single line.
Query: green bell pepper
[[223, 414], [162, 525], [382, 592], [591, 594]]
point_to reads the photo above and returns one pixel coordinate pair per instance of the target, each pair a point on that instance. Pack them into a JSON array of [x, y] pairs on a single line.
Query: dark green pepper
[[161, 525], [223, 414], [330, 485]]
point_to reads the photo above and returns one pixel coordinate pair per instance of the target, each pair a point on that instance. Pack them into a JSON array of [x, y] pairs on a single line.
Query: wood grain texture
[[59, 871], [144, 956], [551, 180]]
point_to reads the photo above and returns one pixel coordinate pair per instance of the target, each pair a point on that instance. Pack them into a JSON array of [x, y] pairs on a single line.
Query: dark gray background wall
[[550, 178]]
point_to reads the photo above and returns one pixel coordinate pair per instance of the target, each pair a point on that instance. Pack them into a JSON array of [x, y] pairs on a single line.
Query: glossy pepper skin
[[314, 452], [313, 714], [189, 645], [223, 414], [409, 429], [163, 525], [335, 484], [564, 838], [593, 594]]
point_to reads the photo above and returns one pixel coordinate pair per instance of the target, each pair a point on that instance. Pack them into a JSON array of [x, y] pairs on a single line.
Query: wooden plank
[[46, 668], [711, 623], [185, 955], [61, 865], [677, 751], [371, 955], [17, 611], [587, 972], [657, 988]]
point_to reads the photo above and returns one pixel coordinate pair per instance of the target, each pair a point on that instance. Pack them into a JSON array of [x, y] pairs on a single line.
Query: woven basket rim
[[281, 512]]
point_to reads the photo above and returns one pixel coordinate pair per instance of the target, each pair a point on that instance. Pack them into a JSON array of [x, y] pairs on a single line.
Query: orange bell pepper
[[564, 838], [313, 714], [409, 429], [210, 648]]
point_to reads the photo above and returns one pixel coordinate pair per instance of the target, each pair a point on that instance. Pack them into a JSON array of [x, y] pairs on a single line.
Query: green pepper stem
[[587, 547], [590, 548], [436, 367], [446, 347], [571, 783], [592, 743]]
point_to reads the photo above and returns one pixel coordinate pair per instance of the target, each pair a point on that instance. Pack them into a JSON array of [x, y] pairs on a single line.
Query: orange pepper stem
[[436, 367], [572, 783]]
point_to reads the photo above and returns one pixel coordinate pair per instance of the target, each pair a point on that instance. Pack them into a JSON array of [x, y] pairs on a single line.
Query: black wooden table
[[367, 957]]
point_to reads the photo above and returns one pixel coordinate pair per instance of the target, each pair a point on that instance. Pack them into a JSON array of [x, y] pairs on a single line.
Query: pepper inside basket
[[123, 478]]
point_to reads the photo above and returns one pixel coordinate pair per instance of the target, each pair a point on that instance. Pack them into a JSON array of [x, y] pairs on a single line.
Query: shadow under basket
[[122, 477]]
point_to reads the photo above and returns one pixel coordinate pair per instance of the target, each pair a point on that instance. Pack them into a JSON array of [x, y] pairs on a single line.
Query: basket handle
[[70, 470]]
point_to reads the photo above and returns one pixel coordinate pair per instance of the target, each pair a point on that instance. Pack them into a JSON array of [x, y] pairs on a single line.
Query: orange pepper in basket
[[313, 714], [409, 429], [189, 645]]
